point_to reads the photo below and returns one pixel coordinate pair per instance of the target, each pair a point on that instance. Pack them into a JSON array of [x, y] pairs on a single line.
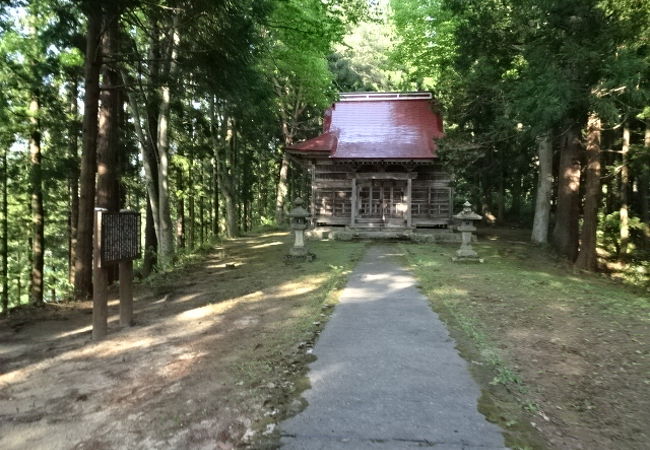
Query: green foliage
[[508, 72], [38, 56], [261, 63], [506, 377], [610, 226], [504, 71], [362, 61]]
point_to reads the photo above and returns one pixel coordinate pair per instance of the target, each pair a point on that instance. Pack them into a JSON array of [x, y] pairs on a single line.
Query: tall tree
[[544, 190], [644, 186], [171, 53], [224, 142], [169, 73], [4, 239], [36, 73], [73, 181], [625, 186], [38, 215], [108, 121], [299, 70], [92, 67], [565, 231], [587, 255], [491, 87]]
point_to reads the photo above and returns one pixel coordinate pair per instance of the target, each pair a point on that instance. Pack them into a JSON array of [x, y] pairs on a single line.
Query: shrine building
[[375, 167]]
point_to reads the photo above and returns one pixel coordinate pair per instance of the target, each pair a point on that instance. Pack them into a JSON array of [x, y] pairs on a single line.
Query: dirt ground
[[217, 356], [211, 362], [563, 356]]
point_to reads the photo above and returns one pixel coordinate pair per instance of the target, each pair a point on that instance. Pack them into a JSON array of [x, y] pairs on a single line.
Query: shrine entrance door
[[383, 202]]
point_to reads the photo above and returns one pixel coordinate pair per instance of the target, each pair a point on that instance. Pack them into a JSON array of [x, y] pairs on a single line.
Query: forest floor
[[218, 355], [214, 359], [563, 356]]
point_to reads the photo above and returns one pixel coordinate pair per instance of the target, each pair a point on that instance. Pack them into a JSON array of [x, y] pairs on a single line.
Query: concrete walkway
[[387, 374]]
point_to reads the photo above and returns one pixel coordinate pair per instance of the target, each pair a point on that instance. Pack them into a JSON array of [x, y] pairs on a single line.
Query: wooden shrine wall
[[332, 191]]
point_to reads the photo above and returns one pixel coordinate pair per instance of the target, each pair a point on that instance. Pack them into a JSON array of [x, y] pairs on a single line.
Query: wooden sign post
[[117, 241], [100, 282], [126, 293]]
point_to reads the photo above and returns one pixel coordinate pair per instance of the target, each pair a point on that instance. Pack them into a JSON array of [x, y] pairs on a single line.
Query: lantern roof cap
[[467, 213], [298, 211]]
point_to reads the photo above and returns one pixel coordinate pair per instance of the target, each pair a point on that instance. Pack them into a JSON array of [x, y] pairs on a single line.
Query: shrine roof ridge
[[383, 96]]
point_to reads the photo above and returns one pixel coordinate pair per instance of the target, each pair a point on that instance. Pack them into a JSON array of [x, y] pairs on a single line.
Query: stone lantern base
[[466, 254], [300, 255], [467, 259], [298, 251]]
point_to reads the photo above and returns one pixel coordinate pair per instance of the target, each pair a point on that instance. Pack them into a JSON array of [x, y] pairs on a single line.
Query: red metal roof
[[378, 125]]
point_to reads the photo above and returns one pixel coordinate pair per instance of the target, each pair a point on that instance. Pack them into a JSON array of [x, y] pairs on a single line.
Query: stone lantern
[[298, 216], [467, 218]]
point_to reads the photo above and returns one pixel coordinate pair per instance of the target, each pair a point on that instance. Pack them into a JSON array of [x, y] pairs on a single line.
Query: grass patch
[[542, 339]]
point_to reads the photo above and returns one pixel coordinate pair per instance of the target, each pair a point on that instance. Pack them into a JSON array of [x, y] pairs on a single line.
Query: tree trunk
[[587, 256], [38, 222], [107, 136], [517, 191], [215, 201], [565, 231], [625, 181], [246, 190], [83, 264], [150, 243], [501, 198], [166, 235], [282, 191], [147, 151], [544, 190], [180, 209], [107, 180], [290, 113], [228, 183], [5, 237], [231, 213], [644, 189], [283, 176], [223, 151], [209, 196], [73, 181], [201, 207], [192, 211]]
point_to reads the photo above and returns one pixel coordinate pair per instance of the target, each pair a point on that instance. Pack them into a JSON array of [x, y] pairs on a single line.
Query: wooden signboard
[[116, 241], [120, 237]]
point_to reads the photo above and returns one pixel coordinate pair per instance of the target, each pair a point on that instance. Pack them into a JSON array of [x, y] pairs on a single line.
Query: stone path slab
[[387, 374]]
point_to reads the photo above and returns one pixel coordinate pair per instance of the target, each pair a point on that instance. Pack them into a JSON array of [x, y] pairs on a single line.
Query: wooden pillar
[[100, 282], [353, 202], [126, 293], [409, 184]]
